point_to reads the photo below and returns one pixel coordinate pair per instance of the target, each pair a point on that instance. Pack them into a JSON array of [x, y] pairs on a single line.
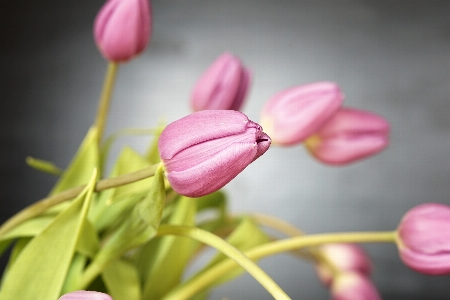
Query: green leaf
[[88, 243], [42, 265], [43, 166], [152, 152], [138, 228], [167, 255], [74, 273], [106, 211], [83, 164], [122, 280]]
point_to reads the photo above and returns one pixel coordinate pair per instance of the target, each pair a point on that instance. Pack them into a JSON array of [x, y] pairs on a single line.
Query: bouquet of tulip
[[131, 234]]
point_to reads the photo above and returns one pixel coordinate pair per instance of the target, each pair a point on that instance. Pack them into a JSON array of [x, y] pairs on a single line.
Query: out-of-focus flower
[[85, 295], [122, 29], [224, 85], [424, 238], [349, 135], [345, 258], [353, 286], [205, 150], [290, 116]]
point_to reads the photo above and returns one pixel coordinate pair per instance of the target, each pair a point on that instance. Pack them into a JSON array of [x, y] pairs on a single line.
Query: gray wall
[[390, 57]]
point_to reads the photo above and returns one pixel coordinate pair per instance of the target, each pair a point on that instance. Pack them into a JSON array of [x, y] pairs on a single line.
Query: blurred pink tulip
[[424, 239], [122, 29], [350, 135], [346, 258], [205, 150], [85, 295], [292, 115], [224, 85], [353, 286]]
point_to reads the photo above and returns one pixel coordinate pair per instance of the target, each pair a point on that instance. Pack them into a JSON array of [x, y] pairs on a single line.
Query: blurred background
[[389, 57]]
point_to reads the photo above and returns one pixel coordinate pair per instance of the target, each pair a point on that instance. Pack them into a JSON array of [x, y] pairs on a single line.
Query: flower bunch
[[131, 234]]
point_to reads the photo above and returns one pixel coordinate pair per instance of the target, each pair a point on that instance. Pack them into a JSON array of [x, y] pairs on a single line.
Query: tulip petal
[[348, 136], [222, 86], [122, 28], [292, 115], [219, 169]]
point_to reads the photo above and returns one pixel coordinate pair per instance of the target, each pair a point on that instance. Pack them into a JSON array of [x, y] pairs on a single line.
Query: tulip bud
[[292, 115], [205, 150], [122, 29], [224, 85], [348, 136], [353, 286], [424, 239], [345, 258], [85, 295]]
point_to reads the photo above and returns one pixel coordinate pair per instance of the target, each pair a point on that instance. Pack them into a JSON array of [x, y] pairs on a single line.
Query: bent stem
[[45, 203], [105, 99], [237, 257], [197, 284]]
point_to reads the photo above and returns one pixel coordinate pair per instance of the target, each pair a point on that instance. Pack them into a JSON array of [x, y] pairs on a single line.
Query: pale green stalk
[[237, 256], [197, 284], [42, 205], [105, 99]]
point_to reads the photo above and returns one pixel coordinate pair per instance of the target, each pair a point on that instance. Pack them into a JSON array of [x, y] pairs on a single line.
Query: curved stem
[[105, 99], [45, 203], [227, 249], [198, 283]]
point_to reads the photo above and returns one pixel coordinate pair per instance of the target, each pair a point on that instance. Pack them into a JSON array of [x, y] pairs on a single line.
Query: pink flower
[[85, 295], [424, 238], [122, 29], [345, 258], [224, 85], [205, 150], [292, 115], [353, 286], [348, 136]]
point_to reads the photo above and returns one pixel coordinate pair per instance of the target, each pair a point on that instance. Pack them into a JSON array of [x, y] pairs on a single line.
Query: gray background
[[390, 57]]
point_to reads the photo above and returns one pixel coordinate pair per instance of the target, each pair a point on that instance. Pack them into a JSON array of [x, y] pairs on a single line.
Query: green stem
[[238, 257], [45, 203], [197, 284], [105, 99]]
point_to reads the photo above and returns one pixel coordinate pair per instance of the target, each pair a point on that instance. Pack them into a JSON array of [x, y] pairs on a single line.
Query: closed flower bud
[[224, 85], [345, 258], [424, 239], [205, 150], [85, 295], [292, 115], [348, 136], [353, 286], [122, 29]]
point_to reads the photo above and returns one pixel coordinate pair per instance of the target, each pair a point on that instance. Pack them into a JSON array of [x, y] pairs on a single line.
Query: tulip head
[[205, 150], [345, 258], [349, 135], [424, 239], [224, 85], [353, 286], [292, 115], [122, 29], [85, 295]]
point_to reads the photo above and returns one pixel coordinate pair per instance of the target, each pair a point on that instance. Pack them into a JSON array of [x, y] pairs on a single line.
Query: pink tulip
[[348, 136], [345, 258], [224, 85], [85, 295], [292, 115], [205, 150], [122, 29], [424, 239], [353, 286]]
